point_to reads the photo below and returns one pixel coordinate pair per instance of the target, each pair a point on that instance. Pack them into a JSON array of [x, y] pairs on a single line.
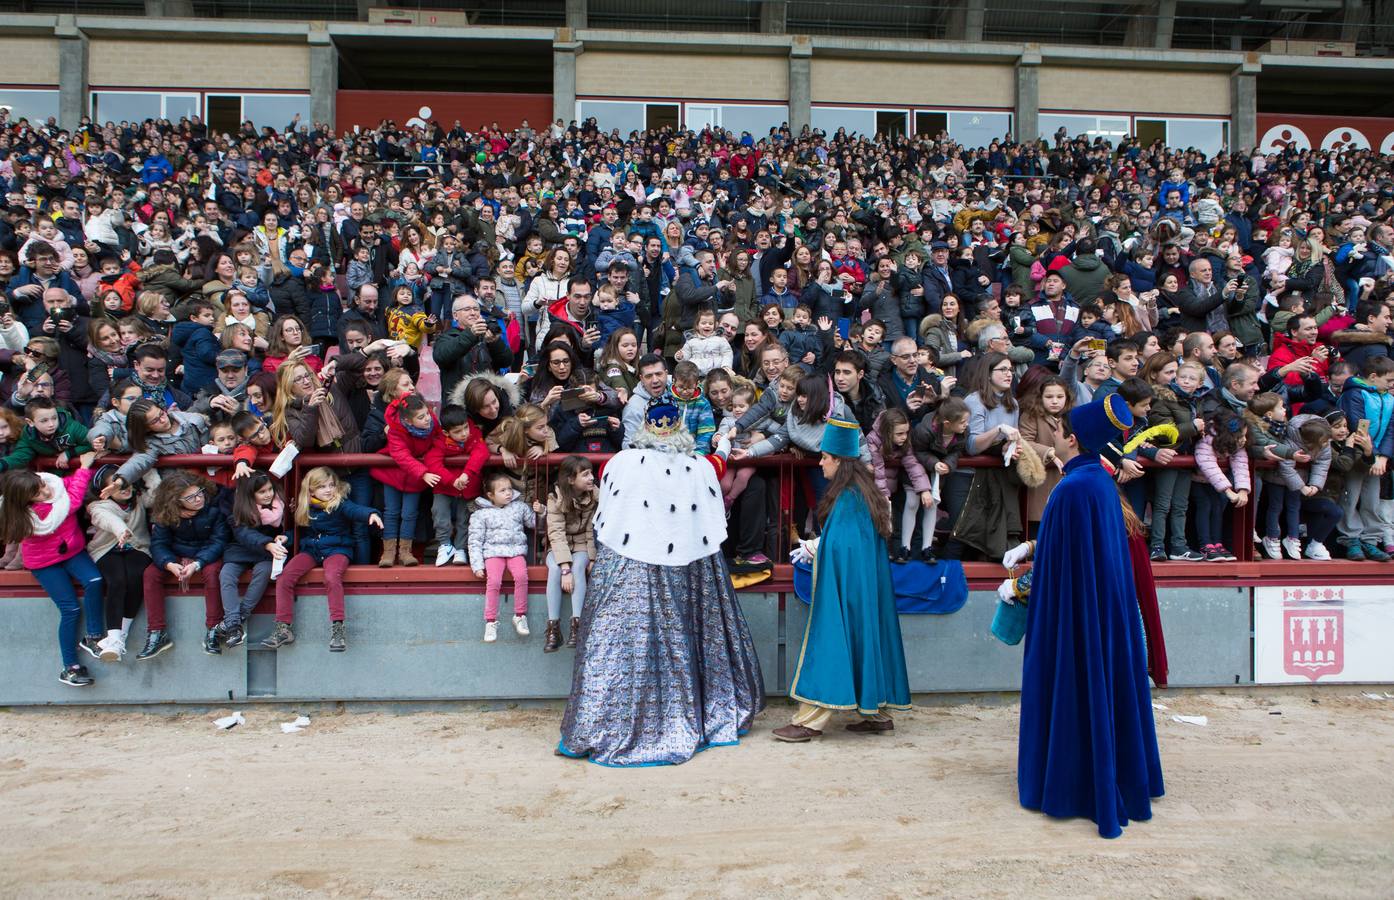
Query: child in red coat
[[451, 504], [413, 442]]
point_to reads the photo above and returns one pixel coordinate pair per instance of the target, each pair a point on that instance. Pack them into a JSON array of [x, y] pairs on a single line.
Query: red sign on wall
[[367, 109], [1278, 132]]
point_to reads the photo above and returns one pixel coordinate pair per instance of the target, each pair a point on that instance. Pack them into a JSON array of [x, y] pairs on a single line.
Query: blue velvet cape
[[1088, 744], [852, 657]]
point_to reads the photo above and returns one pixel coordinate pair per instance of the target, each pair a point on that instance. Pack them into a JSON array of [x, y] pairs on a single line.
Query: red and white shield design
[[1314, 640]]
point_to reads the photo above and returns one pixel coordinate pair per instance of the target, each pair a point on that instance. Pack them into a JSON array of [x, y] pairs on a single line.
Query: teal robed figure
[[852, 657]]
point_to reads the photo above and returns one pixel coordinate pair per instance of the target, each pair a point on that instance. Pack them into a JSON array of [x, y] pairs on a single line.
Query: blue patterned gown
[[665, 666]]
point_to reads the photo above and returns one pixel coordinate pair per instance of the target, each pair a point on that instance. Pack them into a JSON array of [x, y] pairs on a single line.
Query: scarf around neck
[[58, 508]]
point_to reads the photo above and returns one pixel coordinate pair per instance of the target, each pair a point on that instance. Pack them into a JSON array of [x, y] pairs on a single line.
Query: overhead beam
[[1151, 24], [774, 16], [965, 20]]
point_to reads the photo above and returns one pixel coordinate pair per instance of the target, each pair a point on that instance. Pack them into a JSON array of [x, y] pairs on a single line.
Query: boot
[[389, 554], [575, 630], [404, 554], [551, 641], [280, 637]]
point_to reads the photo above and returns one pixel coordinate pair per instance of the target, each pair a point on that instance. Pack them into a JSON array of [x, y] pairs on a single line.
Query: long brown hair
[[164, 506], [17, 491], [851, 474]]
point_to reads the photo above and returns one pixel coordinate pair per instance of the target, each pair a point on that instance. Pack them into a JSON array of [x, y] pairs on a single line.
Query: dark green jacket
[[70, 438]]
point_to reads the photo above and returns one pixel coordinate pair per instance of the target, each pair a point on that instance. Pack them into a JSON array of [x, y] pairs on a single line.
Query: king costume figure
[[1088, 744], [852, 658], [665, 665]]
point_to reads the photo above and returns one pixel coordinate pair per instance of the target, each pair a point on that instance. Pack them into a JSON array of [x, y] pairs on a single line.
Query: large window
[[275, 110], [829, 119], [1207, 135], [979, 129], [758, 120], [36, 106], [1111, 128], [627, 116], [137, 106]]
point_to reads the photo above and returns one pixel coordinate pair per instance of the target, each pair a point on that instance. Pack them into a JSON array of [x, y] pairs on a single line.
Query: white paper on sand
[[1375, 696], [300, 724], [1192, 720], [231, 721], [1161, 706]]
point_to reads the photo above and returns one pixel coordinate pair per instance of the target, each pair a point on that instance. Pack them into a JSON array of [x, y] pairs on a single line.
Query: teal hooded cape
[[852, 656]]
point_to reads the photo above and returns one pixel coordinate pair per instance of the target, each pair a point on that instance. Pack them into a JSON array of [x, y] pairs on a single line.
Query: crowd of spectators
[[171, 290]]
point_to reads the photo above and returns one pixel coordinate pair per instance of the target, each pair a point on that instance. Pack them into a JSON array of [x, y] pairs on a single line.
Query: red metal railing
[[788, 470]]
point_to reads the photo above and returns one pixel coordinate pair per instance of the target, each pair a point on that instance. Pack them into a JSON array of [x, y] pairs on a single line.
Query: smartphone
[[1097, 345], [316, 349], [1363, 426]]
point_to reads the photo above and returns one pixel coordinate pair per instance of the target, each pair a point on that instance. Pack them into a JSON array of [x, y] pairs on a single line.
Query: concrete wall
[[604, 73], [170, 65], [428, 647], [912, 83], [28, 60], [1136, 91]]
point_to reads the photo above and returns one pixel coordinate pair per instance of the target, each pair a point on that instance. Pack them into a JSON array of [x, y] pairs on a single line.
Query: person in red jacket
[[419, 457], [1300, 341], [457, 436]]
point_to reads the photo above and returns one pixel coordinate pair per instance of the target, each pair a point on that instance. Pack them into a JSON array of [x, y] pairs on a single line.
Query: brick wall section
[[198, 64], [604, 73], [1135, 90], [908, 83], [29, 60]]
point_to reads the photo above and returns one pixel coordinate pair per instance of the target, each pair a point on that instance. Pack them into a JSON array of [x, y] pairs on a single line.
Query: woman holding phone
[[290, 342]]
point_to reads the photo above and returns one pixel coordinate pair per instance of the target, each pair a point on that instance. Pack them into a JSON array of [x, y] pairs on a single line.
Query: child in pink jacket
[[1226, 435], [39, 511], [897, 468]]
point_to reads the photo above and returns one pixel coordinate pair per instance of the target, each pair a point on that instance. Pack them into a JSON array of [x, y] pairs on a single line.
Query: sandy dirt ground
[[473, 803]]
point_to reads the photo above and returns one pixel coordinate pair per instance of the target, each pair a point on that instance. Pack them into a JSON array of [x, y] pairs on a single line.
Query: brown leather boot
[[389, 554], [551, 641], [404, 554], [574, 633]]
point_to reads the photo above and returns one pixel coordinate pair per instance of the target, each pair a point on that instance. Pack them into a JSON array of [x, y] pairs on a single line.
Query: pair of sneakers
[[1275, 549], [1360, 551], [1187, 555], [1217, 553], [491, 629], [448, 553]]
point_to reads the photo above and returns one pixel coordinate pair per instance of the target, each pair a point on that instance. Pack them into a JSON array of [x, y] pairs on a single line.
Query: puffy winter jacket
[[415, 457], [499, 531], [289, 297], [331, 531], [198, 349], [202, 536]]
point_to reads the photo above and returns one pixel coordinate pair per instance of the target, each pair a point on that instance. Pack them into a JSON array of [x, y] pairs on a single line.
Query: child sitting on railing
[[326, 517]]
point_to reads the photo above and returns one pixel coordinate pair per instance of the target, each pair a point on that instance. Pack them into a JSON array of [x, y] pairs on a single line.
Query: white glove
[[723, 446], [804, 552], [1006, 591], [1017, 555]]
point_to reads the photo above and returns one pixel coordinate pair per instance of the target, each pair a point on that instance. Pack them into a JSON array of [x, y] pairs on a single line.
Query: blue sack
[[920, 588], [1009, 623]]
